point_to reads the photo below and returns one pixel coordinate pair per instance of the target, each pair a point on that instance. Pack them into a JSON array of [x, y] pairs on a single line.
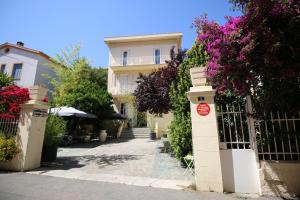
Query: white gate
[[238, 157]]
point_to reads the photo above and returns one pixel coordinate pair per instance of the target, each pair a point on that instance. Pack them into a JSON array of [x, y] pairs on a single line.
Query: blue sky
[[50, 26]]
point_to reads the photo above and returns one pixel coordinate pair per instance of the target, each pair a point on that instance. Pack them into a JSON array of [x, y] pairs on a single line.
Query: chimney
[[19, 43]]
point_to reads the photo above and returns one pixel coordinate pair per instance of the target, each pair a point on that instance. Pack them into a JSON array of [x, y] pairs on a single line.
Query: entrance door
[[141, 119]]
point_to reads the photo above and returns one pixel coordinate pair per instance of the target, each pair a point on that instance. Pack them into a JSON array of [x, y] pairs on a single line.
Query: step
[[136, 133]]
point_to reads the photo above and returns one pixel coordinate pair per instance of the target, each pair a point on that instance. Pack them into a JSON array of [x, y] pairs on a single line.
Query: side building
[[128, 57], [26, 66]]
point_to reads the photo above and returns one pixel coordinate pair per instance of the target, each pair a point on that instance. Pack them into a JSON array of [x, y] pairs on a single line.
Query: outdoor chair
[[189, 161]]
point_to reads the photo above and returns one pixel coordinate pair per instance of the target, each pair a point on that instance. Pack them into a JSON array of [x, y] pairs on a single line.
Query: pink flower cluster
[[246, 47], [218, 41]]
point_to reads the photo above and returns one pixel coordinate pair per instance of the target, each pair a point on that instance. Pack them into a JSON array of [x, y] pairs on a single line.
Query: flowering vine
[[257, 53], [11, 97]]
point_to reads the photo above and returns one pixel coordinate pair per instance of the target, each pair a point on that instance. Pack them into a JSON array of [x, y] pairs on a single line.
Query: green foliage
[[181, 127], [55, 130], [5, 80], [79, 85], [8, 147], [90, 97]]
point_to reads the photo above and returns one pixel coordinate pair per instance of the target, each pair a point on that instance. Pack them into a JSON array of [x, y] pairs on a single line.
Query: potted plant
[[103, 135], [54, 133], [152, 134]]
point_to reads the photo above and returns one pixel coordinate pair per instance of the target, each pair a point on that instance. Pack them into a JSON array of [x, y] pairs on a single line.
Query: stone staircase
[[138, 133]]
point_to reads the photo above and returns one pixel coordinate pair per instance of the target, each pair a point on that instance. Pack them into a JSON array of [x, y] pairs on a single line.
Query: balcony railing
[[139, 60]]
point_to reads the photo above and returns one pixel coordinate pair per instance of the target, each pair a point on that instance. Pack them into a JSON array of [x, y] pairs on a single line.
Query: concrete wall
[[239, 171], [280, 178], [30, 134]]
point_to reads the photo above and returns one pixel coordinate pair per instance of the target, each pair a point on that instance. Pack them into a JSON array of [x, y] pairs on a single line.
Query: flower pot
[[103, 135], [198, 76], [152, 136], [49, 153], [37, 92]]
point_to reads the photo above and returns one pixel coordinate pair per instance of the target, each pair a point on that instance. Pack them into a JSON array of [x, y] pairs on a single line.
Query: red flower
[[11, 97]]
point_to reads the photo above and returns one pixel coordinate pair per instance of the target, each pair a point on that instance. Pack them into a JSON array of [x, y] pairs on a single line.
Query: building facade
[[26, 66], [128, 57]]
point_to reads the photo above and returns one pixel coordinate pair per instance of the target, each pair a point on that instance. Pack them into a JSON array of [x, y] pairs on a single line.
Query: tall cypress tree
[[181, 127]]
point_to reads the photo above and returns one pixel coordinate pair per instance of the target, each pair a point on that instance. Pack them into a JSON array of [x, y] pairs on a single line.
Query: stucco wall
[[140, 53], [159, 124], [280, 178], [33, 67], [43, 69], [29, 64]]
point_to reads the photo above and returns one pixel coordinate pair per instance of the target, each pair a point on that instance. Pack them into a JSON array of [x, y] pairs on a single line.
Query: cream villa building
[[128, 57]]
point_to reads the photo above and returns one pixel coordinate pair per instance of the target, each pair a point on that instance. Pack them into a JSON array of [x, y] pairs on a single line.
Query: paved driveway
[[134, 162]]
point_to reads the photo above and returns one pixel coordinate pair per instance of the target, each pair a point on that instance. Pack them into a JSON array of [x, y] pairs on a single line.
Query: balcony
[[137, 61], [121, 91]]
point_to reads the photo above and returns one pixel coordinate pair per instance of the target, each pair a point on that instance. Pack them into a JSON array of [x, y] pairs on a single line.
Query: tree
[[256, 54], [152, 93], [181, 127], [80, 86]]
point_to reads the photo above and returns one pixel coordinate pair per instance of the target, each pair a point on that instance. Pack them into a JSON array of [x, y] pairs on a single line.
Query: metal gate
[[275, 137]]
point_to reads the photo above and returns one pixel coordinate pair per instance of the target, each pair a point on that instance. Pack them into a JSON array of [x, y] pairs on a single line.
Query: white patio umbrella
[[65, 111]]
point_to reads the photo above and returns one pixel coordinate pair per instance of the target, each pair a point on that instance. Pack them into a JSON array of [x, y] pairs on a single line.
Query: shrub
[[181, 127], [8, 147], [55, 130], [152, 92], [11, 97], [5, 80]]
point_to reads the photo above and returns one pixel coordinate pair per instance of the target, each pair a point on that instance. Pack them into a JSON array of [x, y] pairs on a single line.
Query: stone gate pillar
[[208, 174], [30, 134]]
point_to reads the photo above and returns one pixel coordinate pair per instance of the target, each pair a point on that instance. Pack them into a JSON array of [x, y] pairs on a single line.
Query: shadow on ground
[[69, 162]]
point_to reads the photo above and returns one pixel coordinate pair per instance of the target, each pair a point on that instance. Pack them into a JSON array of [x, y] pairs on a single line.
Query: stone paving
[[139, 162]]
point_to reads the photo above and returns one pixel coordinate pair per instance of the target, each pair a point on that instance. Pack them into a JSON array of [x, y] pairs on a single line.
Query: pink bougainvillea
[[11, 97], [257, 53]]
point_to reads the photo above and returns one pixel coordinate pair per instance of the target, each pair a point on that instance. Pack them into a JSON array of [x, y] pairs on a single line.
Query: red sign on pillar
[[203, 109]]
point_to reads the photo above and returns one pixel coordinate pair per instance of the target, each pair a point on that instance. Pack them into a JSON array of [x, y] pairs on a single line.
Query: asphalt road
[[23, 186]]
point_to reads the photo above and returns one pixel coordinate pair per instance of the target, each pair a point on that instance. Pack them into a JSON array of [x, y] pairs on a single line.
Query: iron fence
[[9, 126], [275, 137], [278, 136]]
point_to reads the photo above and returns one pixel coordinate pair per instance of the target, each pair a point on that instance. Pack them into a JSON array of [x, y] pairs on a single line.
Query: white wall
[[33, 67], [239, 171], [29, 64], [43, 69], [140, 53]]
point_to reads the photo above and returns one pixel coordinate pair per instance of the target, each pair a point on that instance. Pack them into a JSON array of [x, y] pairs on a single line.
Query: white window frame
[[154, 56], [13, 70], [122, 58]]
